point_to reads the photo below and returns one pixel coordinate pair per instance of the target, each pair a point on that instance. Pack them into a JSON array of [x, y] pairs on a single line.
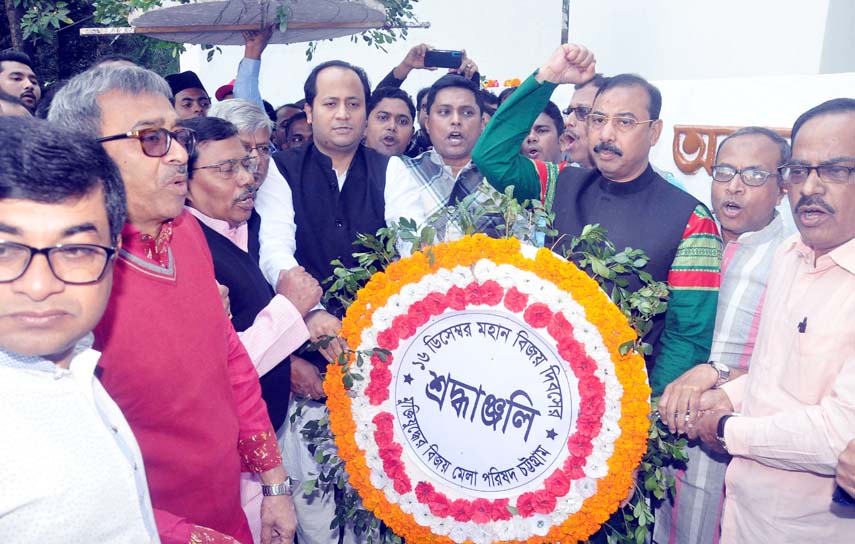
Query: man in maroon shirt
[[171, 359]]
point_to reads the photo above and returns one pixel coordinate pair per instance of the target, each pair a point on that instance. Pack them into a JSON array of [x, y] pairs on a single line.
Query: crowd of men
[[163, 259]]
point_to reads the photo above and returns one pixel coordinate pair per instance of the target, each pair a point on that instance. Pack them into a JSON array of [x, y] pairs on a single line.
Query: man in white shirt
[[71, 469]]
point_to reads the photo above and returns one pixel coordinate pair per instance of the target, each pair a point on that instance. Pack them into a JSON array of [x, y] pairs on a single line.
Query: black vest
[[249, 293], [647, 213], [327, 219]]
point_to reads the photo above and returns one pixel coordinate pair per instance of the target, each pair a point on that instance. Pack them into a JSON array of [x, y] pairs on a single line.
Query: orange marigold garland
[[574, 500]]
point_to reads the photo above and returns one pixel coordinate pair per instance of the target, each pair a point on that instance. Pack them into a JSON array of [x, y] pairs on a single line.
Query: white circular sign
[[490, 432]]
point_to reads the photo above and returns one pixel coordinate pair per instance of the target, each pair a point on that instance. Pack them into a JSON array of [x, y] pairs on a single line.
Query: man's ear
[[308, 109], [655, 132]]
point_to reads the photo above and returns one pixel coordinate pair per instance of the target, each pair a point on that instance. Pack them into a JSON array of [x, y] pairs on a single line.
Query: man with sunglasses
[[171, 359], [746, 189], [623, 194], [72, 469], [789, 419]]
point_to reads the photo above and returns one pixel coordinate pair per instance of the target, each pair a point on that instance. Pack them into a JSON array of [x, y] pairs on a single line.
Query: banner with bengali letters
[[503, 411]]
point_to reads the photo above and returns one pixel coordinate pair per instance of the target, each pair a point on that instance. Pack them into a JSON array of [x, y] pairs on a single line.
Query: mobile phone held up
[[441, 58]]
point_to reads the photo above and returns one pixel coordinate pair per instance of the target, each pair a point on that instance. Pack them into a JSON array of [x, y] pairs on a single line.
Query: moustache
[[608, 146], [816, 201], [182, 169], [250, 192]]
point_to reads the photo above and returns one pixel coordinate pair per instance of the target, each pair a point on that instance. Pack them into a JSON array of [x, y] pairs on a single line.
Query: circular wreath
[[553, 296]]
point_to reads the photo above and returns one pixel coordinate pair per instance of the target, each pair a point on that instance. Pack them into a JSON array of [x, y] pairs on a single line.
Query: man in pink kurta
[[786, 422], [171, 359]]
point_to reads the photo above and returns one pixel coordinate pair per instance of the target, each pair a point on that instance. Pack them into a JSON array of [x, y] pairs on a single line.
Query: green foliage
[[593, 251], [333, 477], [41, 19], [653, 484]]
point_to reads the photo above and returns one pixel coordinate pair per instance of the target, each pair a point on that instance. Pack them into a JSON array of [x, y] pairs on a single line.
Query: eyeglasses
[[753, 177], [262, 149], [794, 174], [155, 142], [598, 121], [230, 167], [580, 111], [75, 264]]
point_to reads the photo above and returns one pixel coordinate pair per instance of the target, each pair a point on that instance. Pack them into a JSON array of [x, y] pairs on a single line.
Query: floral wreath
[[587, 331]]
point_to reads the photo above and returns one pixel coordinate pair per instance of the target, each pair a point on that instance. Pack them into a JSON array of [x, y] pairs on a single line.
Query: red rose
[[377, 361], [455, 298], [559, 328], [388, 339], [383, 419], [591, 387], [583, 365], [402, 484], [579, 445], [573, 467], [538, 315], [423, 492], [571, 351], [434, 303], [558, 484], [461, 510], [376, 394], [473, 293], [589, 430], [383, 436], [381, 376], [515, 301], [418, 314], [544, 502], [481, 510], [491, 292], [499, 510], [438, 505], [403, 327], [525, 504]]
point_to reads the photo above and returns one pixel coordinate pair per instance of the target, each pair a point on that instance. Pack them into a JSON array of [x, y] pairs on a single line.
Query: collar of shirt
[[81, 361], [238, 235], [842, 256], [758, 237], [153, 248], [437, 159]]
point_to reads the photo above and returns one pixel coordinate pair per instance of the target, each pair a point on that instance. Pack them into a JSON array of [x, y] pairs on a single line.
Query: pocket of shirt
[[820, 354]]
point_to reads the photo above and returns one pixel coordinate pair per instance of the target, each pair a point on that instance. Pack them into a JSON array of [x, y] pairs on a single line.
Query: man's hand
[[467, 67], [845, 474], [321, 323], [678, 407], [570, 63], [256, 42], [306, 379], [278, 520], [300, 288], [224, 295], [706, 429], [415, 59]]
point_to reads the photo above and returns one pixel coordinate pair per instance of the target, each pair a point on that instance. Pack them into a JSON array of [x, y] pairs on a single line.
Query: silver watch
[[723, 372], [277, 489]]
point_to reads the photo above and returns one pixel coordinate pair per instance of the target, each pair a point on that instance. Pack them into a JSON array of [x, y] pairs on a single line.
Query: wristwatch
[[277, 489], [723, 372], [719, 431]]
